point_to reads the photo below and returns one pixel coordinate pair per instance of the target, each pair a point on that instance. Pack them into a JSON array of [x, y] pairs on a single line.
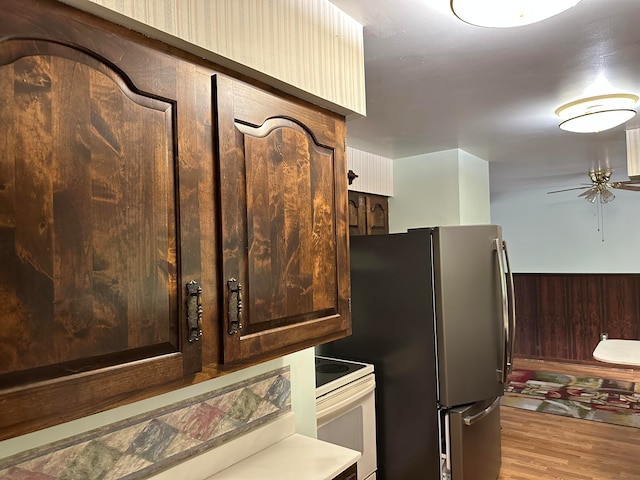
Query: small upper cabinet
[[368, 214], [283, 188]]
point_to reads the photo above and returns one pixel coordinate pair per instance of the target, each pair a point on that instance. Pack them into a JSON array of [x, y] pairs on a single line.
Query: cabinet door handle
[[194, 310], [235, 306]]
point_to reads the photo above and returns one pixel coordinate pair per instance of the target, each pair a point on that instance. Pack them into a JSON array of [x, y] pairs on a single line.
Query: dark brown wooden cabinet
[[98, 219], [350, 473], [368, 214], [135, 182], [284, 242]]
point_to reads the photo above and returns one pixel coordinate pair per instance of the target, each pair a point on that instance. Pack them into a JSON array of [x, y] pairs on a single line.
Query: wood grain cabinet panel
[[357, 214], [283, 211], [368, 214], [90, 218], [98, 237], [130, 170], [377, 214], [350, 473]]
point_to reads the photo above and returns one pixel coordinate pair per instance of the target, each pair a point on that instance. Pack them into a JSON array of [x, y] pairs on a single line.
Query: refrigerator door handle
[[498, 246], [512, 309], [480, 415]]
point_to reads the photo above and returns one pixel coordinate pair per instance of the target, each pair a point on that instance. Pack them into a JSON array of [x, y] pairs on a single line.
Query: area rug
[[589, 398]]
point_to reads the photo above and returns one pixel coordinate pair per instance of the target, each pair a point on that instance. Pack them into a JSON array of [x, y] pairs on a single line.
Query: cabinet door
[[357, 214], [93, 301], [283, 210], [377, 208], [350, 473]]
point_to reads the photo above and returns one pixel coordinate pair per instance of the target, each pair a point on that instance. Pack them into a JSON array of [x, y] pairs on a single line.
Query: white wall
[[375, 172], [474, 189], [423, 186], [545, 233], [450, 187], [558, 233]]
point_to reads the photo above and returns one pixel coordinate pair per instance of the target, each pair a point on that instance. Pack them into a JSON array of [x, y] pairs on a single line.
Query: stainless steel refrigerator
[[433, 311]]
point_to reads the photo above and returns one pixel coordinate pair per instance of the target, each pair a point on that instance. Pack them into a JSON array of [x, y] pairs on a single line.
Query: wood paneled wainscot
[[136, 181], [561, 316]]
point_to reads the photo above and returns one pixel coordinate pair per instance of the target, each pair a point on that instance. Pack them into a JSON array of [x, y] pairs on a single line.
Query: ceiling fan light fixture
[[606, 196], [591, 197], [598, 113], [508, 13], [597, 122]]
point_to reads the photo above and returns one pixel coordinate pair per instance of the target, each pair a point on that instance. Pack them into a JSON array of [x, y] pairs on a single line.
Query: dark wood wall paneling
[[561, 316]]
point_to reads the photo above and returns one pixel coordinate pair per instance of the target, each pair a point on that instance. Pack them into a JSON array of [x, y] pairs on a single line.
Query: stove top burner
[[330, 369]]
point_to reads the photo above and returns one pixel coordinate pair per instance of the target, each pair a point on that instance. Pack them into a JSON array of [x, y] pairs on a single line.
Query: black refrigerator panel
[[470, 326], [393, 328]]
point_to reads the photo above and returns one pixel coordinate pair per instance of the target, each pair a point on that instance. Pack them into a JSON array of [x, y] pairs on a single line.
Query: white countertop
[[293, 458], [623, 352], [271, 452]]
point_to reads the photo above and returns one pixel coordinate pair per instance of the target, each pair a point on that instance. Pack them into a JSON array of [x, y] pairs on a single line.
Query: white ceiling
[[435, 83]]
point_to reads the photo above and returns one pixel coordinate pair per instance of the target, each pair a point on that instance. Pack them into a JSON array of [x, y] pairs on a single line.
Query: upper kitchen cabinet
[[160, 215], [368, 214], [103, 146], [283, 216]]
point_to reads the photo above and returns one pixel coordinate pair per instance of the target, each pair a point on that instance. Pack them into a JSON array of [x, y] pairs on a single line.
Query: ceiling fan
[[601, 186]]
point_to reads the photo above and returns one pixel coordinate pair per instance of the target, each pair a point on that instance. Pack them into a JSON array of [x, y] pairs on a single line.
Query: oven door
[[346, 416]]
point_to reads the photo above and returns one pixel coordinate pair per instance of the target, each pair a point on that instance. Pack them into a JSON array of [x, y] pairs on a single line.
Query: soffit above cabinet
[[309, 49]]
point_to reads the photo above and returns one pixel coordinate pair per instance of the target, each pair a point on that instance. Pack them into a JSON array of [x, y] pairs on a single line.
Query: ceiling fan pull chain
[[597, 215], [602, 222], [600, 215]]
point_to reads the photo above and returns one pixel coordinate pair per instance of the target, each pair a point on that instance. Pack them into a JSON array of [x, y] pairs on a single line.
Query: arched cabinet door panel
[[357, 214], [93, 290], [283, 210], [377, 214]]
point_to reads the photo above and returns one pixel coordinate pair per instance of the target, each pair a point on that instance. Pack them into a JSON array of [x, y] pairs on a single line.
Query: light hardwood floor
[[540, 446]]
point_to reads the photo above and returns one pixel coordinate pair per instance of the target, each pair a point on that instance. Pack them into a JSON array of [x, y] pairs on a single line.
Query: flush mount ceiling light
[[596, 114], [508, 13]]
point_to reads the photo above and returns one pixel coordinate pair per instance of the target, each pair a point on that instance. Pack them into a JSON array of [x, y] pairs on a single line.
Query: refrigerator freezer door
[[475, 451], [469, 313]]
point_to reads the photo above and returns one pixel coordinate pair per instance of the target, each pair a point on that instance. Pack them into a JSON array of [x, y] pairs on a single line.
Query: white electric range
[[345, 409]]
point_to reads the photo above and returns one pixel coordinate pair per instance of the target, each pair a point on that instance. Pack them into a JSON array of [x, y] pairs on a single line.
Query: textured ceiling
[[436, 83]]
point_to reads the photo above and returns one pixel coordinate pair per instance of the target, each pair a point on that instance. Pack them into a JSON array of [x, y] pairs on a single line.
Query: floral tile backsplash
[[146, 444]]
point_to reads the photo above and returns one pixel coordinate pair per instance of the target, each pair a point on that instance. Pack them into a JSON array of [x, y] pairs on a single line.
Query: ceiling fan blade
[[622, 186], [568, 189], [629, 182]]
